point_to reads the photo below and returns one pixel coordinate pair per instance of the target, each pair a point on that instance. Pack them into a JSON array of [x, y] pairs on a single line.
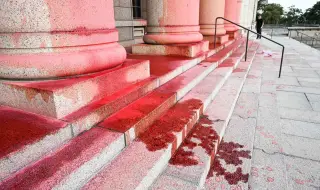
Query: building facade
[[131, 16]]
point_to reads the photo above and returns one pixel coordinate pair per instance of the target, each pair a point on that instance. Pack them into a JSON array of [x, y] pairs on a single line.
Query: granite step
[[74, 124], [144, 159], [136, 117], [189, 167], [47, 134], [59, 98], [72, 165]]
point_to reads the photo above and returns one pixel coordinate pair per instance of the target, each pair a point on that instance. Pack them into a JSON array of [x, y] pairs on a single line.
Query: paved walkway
[[285, 144], [286, 152]]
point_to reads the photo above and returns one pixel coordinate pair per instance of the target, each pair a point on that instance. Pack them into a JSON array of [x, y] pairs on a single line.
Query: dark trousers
[[259, 30]]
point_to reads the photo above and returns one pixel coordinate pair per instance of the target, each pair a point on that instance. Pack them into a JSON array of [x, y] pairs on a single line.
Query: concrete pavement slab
[[300, 128], [268, 171], [293, 100]]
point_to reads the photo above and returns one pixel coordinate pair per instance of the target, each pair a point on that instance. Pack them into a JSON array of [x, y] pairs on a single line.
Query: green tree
[[272, 13], [312, 15], [293, 16]]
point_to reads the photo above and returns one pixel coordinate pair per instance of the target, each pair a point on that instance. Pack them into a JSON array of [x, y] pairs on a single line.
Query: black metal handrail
[[246, 53]]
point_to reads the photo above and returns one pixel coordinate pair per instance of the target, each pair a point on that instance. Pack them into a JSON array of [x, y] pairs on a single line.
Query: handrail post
[[281, 61], [215, 33], [246, 54], [215, 40]]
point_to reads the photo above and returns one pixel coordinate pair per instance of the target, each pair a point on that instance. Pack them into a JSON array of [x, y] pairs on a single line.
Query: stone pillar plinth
[[52, 39], [173, 29], [209, 11], [232, 12]]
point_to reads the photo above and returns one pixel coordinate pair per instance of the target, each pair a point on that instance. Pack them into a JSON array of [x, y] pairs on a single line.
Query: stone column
[[232, 12], [173, 29], [173, 22], [209, 11], [50, 39]]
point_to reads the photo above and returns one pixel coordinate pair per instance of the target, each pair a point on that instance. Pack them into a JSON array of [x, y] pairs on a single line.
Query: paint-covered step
[[58, 98], [192, 161], [145, 158], [136, 117], [232, 163], [71, 166], [25, 137], [36, 141], [226, 51], [168, 67], [90, 115]]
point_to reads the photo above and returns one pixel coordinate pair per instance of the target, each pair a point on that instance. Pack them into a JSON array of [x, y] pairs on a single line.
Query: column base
[[233, 34], [186, 50], [221, 39]]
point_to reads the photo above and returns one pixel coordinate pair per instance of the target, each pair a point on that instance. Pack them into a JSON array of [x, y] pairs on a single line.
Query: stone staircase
[[161, 130]]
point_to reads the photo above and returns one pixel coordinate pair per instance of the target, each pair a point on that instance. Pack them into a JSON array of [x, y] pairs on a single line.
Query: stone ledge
[[186, 50]]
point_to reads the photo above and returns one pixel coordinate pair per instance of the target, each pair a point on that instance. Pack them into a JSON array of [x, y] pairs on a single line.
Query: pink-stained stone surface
[[232, 12], [133, 119], [209, 11], [152, 156], [197, 173], [58, 38], [90, 115], [25, 137], [58, 98], [221, 39], [173, 22], [186, 50], [70, 166]]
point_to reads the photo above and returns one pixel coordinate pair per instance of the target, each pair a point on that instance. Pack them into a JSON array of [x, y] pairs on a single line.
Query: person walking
[[259, 26]]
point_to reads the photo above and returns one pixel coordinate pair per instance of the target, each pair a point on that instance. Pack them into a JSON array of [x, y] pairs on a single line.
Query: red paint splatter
[[161, 133], [267, 135], [259, 128], [43, 45], [230, 153], [83, 31], [207, 138], [280, 87], [16, 38], [270, 179], [237, 70], [23, 21], [299, 181], [269, 169], [251, 77]]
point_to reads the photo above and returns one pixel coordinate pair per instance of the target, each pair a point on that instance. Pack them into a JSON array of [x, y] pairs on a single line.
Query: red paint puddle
[[161, 133], [207, 138], [49, 167], [230, 153], [19, 129]]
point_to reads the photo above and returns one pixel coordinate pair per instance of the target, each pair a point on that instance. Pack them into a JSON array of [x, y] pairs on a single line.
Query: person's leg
[[257, 29], [259, 33]]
